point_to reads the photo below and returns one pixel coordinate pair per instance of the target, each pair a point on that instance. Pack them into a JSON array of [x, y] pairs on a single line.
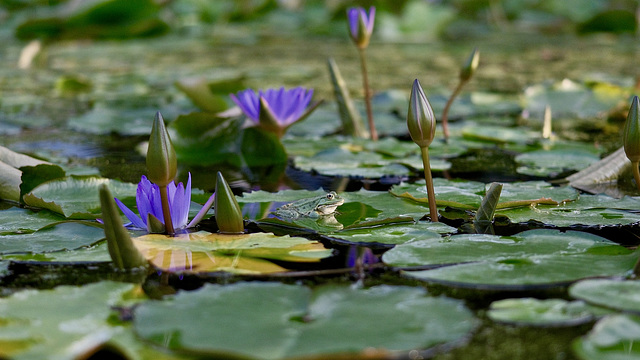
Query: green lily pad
[[16, 220], [61, 236], [613, 337], [76, 198], [460, 194], [613, 294], [396, 234], [67, 322], [246, 253], [499, 134], [105, 120], [569, 99], [549, 312], [283, 321], [341, 162], [534, 257], [553, 162], [92, 253], [590, 210]]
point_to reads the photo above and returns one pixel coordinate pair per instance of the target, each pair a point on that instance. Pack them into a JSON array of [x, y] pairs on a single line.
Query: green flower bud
[[632, 132], [420, 119], [162, 164], [469, 68], [121, 249], [228, 213]]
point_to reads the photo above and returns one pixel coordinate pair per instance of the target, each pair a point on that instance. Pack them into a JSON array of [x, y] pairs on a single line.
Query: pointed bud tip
[[631, 132], [162, 163], [421, 120]]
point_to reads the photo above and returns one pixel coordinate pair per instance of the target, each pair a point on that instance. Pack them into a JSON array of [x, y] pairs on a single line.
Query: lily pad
[[396, 234], [549, 312], [459, 194], [613, 337], [534, 257], [67, 322], [61, 236], [76, 198], [16, 220], [247, 253], [341, 162], [93, 253], [613, 294], [554, 162], [284, 321]]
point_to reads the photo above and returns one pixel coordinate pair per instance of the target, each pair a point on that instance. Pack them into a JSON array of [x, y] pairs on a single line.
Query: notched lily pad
[[76, 198], [67, 322], [525, 260], [55, 237], [246, 253], [284, 321]]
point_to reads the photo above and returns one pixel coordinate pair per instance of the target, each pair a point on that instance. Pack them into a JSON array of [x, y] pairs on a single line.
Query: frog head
[[328, 203]]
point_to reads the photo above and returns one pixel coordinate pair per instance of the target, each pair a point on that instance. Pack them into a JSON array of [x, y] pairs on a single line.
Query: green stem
[[445, 111], [636, 173], [367, 94], [166, 211], [431, 195]]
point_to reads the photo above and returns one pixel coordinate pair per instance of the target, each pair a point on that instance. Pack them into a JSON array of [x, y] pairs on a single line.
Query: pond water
[[137, 77]]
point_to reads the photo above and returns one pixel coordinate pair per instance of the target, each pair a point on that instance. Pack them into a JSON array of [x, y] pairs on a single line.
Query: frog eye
[[330, 196]]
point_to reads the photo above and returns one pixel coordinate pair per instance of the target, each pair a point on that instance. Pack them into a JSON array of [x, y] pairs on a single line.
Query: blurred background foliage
[[397, 20]]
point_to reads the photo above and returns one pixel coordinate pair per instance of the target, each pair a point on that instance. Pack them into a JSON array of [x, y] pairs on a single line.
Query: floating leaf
[[76, 198], [247, 253], [613, 337], [67, 322], [533, 257], [613, 294], [553, 162], [16, 220], [283, 321], [62, 236], [549, 312], [394, 234]]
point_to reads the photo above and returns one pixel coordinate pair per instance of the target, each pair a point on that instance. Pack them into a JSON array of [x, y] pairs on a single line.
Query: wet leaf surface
[[284, 321]]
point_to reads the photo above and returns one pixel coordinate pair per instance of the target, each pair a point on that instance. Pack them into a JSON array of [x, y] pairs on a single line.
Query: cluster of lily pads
[[470, 240]]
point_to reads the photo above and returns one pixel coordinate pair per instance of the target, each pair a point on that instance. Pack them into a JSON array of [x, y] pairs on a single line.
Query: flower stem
[[636, 173], [367, 94], [445, 111], [166, 211], [431, 195]]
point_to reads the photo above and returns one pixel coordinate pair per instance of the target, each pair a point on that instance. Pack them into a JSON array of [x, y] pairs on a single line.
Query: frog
[[314, 207]]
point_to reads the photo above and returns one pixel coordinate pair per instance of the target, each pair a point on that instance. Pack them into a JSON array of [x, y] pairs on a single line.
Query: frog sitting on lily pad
[[314, 207]]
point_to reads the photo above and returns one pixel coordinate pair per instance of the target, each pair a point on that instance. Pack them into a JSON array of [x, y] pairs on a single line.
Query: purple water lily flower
[[284, 106], [148, 202], [361, 25]]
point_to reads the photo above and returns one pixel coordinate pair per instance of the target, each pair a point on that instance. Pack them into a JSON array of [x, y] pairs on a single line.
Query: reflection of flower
[[361, 25], [363, 255], [282, 107], [149, 203]]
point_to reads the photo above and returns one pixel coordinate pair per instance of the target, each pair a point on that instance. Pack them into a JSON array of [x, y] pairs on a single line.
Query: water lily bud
[[469, 68], [121, 249], [632, 132], [162, 164], [228, 213], [361, 25], [420, 119]]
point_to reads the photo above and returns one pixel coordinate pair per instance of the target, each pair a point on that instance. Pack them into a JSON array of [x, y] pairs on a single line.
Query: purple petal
[[352, 16], [248, 102], [371, 19], [135, 219]]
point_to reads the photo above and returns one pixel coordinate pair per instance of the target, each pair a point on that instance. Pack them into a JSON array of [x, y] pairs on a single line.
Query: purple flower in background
[[361, 25], [148, 202], [275, 109]]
